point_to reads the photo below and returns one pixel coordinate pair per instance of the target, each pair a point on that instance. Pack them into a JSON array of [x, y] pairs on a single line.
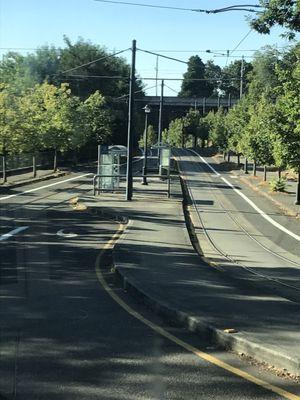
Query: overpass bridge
[[202, 104]]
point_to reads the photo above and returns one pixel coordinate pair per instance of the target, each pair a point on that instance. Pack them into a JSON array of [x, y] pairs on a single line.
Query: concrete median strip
[[231, 338], [164, 310]]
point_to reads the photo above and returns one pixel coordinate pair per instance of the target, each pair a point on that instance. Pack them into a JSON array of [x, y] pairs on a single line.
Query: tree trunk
[[265, 173], [224, 155], [238, 160], [228, 156], [4, 174], [34, 166], [246, 166], [279, 173], [55, 161], [202, 143], [195, 141], [254, 168]]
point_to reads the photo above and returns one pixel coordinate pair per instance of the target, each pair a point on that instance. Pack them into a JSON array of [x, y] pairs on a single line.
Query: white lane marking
[[250, 202], [66, 235], [44, 187], [8, 235]]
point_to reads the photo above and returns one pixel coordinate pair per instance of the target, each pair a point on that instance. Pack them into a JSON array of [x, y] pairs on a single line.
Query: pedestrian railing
[[98, 189]]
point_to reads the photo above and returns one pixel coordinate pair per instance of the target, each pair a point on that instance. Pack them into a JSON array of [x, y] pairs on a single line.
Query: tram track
[[223, 253]]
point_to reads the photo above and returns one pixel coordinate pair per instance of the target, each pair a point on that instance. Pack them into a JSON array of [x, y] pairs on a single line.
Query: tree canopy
[[195, 83], [285, 13]]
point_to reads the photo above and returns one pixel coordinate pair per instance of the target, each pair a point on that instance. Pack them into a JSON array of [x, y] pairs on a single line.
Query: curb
[[286, 210], [281, 206], [8, 187], [235, 342]]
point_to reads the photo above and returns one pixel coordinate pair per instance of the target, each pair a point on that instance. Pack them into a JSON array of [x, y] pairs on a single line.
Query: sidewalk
[[158, 264], [26, 178]]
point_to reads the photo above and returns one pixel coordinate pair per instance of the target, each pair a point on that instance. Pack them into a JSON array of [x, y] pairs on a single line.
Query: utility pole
[[161, 104], [229, 100], [156, 76], [129, 180], [242, 77], [204, 106]]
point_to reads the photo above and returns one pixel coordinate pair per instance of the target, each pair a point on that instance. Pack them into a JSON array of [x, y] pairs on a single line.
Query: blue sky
[[29, 24]]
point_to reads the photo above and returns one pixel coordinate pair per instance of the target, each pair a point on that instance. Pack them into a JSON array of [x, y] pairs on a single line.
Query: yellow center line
[[204, 356]]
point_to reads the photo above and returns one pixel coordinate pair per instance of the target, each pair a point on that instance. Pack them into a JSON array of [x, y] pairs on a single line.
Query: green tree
[[151, 137], [287, 147], [231, 78], [237, 120], [218, 132], [176, 135], [285, 13], [258, 136], [213, 73], [195, 88], [98, 119], [8, 124]]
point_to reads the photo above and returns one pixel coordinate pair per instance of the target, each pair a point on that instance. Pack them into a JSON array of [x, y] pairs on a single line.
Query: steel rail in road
[[222, 253], [249, 234]]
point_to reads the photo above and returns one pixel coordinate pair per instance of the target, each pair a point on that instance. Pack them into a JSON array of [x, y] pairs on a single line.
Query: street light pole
[[129, 179], [147, 112]]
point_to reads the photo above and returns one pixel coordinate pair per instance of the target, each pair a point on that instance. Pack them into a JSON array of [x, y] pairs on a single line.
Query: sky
[[28, 24]]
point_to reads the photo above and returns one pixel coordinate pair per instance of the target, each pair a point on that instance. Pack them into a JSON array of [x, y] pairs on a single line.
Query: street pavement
[[63, 337]]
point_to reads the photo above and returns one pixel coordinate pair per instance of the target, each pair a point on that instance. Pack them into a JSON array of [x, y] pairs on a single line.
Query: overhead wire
[[162, 56], [241, 7], [94, 61], [240, 42], [173, 90]]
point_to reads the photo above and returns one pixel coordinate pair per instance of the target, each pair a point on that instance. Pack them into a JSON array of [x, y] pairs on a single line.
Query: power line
[[97, 76], [137, 91], [241, 7], [173, 90], [162, 56], [94, 61], [190, 79], [144, 5], [146, 78], [240, 42]]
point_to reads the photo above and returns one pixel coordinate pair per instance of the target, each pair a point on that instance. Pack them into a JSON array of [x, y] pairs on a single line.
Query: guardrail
[[98, 189]]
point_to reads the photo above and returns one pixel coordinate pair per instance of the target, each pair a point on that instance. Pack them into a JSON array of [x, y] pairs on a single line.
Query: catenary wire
[[94, 61], [213, 11]]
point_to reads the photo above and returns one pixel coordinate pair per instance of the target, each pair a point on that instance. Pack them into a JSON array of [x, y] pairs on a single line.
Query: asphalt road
[[63, 337], [238, 231]]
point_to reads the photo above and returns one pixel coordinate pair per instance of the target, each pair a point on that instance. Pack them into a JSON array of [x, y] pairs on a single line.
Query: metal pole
[[4, 175], [229, 100], [219, 102], [129, 180], [156, 76], [161, 104], [297, 201], [242, 77], [144, 181], [99, 165]]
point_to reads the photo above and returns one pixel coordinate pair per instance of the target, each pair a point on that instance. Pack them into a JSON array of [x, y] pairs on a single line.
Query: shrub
[[278, 185]]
